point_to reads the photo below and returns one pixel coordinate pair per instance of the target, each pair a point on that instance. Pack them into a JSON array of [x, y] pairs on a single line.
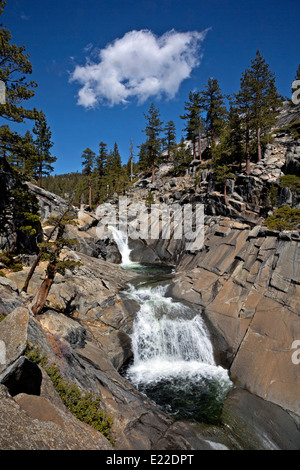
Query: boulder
[[63, 327], [47, 426], [49, 204], [13, 333]]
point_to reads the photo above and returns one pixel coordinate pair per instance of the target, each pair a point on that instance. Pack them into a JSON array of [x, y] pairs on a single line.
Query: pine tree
[[284, 218], [115, 169], [243, 104], [14, 68], [182, 157], [18, 207], [143, 163], [130, 164], [169, 140], [223, 174], [19, 210], [195, 125], [88, 162], [51, 250], [212, 101], [42, 162], [19, 151], [264, 98], [100, 170], [235, 135], [153, 143]]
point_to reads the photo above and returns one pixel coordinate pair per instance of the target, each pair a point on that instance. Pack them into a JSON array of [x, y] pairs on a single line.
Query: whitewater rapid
[[169, 340], [173, 358]]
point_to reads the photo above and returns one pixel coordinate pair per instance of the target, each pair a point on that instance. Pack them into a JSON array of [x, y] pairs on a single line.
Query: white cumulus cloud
[[139, 65]]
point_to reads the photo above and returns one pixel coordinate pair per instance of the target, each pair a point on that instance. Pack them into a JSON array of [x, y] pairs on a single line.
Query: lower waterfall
[[173, 359]]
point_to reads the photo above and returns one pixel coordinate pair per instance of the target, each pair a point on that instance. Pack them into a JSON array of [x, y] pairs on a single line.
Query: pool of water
[[173, 359]]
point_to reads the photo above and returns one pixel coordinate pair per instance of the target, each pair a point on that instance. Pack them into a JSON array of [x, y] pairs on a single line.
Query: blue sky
[[100, 64]]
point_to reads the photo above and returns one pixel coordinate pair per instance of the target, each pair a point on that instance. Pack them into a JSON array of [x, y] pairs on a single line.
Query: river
[[173, 358]]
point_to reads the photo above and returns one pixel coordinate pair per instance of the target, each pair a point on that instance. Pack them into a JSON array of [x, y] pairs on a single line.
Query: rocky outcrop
[[90, 294], [29, 401], [85, 332], [284, 134], [247, 282], [49, 204], [287, 114], [47, 426]]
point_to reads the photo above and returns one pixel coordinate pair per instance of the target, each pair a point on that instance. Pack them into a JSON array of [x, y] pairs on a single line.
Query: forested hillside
[[223, 133]]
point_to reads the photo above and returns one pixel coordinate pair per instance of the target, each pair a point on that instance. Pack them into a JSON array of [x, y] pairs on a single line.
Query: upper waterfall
[[121, 239]]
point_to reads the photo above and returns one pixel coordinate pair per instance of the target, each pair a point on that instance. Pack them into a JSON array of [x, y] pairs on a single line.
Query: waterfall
[[173, 354], [121, 240], [173, 360]]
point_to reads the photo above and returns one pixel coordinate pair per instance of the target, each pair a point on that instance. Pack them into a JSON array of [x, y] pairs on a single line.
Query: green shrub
[[11, 261], [284, 218], [85, 406], [271, 196]]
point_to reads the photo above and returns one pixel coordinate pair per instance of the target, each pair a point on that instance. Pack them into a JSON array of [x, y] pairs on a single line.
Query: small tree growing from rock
[[51, 250], [223, 174], [149, 199]]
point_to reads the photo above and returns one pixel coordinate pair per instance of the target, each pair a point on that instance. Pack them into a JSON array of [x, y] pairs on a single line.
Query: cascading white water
[[173, 360], [168, 338], [172, 349], [121, 240]]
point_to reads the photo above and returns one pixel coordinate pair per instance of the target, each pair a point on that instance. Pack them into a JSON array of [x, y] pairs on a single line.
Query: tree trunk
[[42, 294], [194, 150], [199, 147], [258, 144], [32, 269], [40, 176], [131, 160], [90, 193], [248, 169], [225, 193], [153, 173], [38, 258]]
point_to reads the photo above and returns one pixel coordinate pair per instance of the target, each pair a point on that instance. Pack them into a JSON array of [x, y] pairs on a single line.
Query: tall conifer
[[42, 161], [153, 143], [264, 98], [88, 161], [213, 103], [194, 125]]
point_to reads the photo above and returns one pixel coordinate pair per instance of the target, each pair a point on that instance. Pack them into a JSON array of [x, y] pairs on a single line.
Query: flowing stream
[[173, 358]]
